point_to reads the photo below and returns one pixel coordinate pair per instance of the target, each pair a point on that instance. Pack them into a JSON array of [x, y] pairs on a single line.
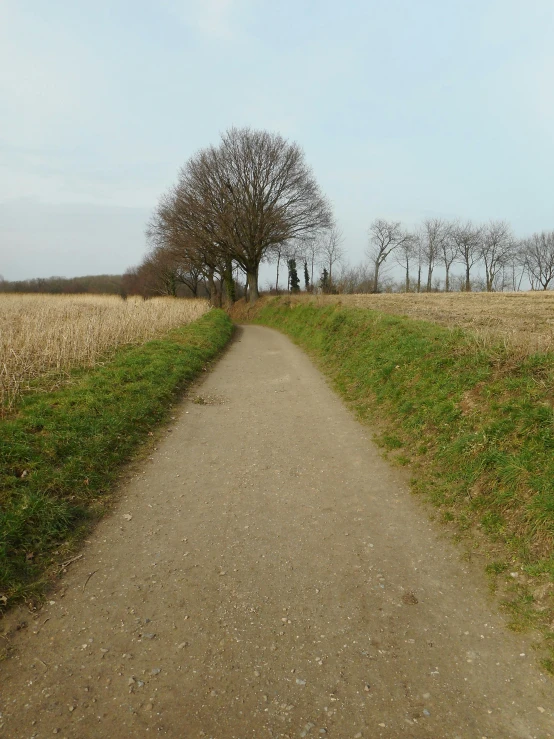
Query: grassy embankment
[[474, 421], [61, 451]]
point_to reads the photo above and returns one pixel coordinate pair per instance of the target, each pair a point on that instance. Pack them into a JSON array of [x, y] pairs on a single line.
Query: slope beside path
[[267, 574]]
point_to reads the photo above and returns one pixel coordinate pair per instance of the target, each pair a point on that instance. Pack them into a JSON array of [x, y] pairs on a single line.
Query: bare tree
[[279, 251], [160, 272], [496, 248], [514, 269], [331, 250], [312, 247], [247, 195], [538, 256], [384, 238], [448, 254], [169, 228], [432, 235], [406, 253], [468, 239], [165, 271], [418, 253], [356, 279]]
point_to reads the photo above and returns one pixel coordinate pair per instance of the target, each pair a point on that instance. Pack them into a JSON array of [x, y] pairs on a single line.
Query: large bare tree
[[161, 273], [170, 228], [384, 238], [247, 195], [468, 240], [496, 249], [432, 236], [538, 256]]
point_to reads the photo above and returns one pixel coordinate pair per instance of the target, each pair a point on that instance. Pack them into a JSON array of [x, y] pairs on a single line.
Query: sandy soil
[[267, 574]]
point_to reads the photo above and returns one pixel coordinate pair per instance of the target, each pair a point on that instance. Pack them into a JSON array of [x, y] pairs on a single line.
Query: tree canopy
[[235, 202]]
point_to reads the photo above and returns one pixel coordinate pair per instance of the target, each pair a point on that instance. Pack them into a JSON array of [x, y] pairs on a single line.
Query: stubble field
[[46, 336], [523, 320]]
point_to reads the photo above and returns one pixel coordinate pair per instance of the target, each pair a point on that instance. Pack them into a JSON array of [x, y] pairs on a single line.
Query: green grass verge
[[61, 451], [476, 424]]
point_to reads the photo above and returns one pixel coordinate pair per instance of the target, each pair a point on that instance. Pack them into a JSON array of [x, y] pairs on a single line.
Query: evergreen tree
[[294, 282], [324, 281]]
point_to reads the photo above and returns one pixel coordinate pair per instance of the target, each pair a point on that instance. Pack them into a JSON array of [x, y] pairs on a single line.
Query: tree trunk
[[277, 279], [215, 290], [211, 287], [252, 277], [229, 284], [218, 293], [407, 277], [468, 282], [376, 278], [429, 277], [447, 280]]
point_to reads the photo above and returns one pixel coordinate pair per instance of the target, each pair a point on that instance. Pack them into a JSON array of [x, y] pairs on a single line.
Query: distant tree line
[[469, 257], [491, 258], [253, 199], [96, 284], [440, 255]]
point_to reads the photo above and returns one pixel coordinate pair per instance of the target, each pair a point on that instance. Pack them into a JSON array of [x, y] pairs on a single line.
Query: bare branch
[[384, 238]]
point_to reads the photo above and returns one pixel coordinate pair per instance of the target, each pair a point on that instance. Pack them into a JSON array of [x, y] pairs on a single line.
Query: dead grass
[[46, 336], [523, 320]]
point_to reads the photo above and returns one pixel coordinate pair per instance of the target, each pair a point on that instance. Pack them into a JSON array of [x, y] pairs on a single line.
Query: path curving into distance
[[267, 574]]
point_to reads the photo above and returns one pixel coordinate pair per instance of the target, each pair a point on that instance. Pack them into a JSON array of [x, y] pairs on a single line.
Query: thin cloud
[[214, 18], [211, 18]]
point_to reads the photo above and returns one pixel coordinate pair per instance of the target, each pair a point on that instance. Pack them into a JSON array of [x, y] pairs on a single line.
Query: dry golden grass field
[[524, 320], [48, 335]]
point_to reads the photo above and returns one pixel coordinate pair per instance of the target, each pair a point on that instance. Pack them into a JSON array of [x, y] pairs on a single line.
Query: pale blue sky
[[404, 109]]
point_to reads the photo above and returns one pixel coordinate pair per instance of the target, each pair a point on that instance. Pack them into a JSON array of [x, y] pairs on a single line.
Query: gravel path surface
[[267, 574]]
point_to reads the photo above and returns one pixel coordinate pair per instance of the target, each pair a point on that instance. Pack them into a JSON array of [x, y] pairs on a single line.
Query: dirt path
[[268, 575]]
